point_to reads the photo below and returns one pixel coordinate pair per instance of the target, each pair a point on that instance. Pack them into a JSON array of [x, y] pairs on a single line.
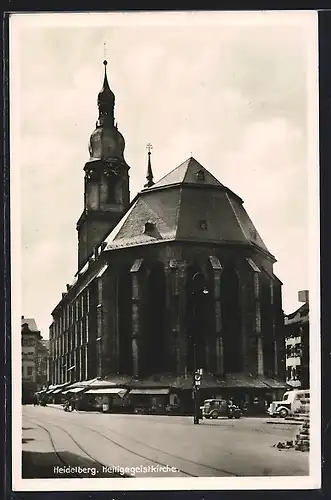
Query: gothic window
[[155, 321], [266, 324], [231, 320], [87, 329], [125, 322], [198, 316], [87, 300], [82, 305], [81, 336]]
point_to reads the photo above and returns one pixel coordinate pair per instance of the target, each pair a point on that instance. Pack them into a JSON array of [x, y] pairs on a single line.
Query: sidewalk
[[283, 421]]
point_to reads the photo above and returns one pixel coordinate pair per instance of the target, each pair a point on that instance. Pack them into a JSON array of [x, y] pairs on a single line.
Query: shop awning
[[75, 390], [150, 392], [106, 390]]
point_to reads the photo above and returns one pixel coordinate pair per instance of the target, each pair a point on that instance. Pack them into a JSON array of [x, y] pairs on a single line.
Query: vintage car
[[214, 408], [291, 403]]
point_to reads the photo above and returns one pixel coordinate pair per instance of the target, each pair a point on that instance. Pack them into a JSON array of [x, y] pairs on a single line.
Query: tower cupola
[[106, 192], [106, 142]]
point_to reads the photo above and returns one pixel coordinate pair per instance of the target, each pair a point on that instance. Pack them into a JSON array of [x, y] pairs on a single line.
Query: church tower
[[106, 194]]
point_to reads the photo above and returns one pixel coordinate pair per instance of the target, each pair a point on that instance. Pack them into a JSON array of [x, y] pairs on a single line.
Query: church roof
[[188, 204], [187, 173]]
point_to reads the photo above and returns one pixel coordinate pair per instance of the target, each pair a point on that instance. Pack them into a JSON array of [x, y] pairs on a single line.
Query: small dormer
[[200, 175], [149, 227]]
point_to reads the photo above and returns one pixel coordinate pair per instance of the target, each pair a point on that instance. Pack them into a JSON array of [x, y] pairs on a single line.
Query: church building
[[176, 279]]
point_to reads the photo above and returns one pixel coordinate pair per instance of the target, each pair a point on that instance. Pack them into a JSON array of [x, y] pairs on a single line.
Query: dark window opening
[[125, 323], [231, 321], [201, 176], [149, 227], [267, 326], [155, 359], [197, 319]]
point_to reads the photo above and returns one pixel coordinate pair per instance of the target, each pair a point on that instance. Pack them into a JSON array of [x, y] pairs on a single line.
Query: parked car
[[215, 408], [290, 404]]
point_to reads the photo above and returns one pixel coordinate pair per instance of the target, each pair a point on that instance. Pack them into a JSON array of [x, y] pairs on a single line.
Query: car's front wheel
[[207, 417], [214, 414], [283, 413]]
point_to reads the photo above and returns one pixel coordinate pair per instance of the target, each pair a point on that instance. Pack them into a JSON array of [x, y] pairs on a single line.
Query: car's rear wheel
[[207, 417], [214, 414], [283, 413], [237, 415]]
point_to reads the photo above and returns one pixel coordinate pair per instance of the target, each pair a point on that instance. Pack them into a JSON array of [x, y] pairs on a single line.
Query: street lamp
[[198, 289]]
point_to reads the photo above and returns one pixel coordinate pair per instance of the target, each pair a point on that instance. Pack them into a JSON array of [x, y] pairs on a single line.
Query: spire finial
[[149, 176], [106, 98]]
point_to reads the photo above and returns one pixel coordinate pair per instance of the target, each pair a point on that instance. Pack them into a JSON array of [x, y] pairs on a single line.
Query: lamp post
[[198, 290]]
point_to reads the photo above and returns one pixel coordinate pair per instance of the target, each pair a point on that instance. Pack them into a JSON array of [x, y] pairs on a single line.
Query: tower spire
[[106, 101], [149, 176]]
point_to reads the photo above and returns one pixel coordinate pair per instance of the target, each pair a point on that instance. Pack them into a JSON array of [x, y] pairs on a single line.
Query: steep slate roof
[[31, 322], [177, 204], [185, 173]]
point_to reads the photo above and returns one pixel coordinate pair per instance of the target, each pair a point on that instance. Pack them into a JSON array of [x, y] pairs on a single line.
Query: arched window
[[231, 320], [125, 322], [266, 325], [197, 302], [155, 321]]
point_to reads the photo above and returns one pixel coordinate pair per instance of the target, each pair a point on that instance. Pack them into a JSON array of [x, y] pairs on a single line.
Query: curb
[[288, 422]]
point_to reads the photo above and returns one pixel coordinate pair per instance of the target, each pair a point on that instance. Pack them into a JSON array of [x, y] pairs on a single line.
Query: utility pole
[[196, 387], [199, 290]]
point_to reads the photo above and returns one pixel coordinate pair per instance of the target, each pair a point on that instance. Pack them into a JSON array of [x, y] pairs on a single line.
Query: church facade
[[174, 280]]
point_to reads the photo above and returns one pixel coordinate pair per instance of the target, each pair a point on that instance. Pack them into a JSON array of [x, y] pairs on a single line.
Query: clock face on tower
[[111, 169]]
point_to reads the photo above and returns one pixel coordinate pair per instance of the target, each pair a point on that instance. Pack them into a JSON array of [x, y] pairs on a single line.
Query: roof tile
[[182, 207]]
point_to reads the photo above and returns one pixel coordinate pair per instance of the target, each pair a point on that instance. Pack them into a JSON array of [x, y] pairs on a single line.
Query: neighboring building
[[30, 337], [297, 344], [176, 279], [34, 358], [43, 363]]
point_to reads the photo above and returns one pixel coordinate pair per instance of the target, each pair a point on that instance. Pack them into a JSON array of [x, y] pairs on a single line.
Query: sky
[[231, 90]]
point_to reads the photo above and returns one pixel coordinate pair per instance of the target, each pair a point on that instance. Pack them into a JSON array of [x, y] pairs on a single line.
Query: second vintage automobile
[[215, 408]]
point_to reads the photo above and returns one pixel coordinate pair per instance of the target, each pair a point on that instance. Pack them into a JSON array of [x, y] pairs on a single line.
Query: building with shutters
[[297, 344], [175, 279], [35, 358]]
